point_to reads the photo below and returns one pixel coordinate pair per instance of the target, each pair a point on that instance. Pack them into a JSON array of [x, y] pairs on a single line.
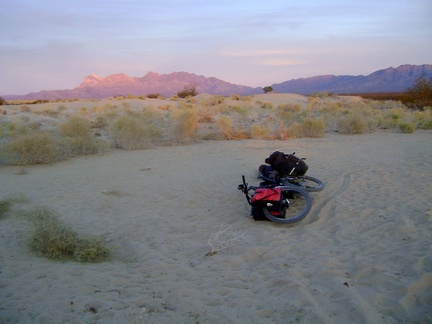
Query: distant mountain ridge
[[96, 87], [386, 80]]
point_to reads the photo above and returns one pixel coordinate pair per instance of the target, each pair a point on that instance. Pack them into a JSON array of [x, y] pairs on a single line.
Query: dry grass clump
[[352, 123], [5, 206], [55, 240], [36, 147], [187, 125], [7, 203], [78, 138], [425, 119], [260, 132], [131, 133], [313, 128], [406, 127], [226, 130]]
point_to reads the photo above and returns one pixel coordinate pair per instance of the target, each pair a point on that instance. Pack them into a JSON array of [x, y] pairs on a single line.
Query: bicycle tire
[[313, 184], [300, 205], [310, 184]]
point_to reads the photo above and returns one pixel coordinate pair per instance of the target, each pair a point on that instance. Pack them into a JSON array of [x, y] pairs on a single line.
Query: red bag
[[270, 198], [263, 196]]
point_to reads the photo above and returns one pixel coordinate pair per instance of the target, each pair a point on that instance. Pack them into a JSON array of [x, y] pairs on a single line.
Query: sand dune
[[363, 254]]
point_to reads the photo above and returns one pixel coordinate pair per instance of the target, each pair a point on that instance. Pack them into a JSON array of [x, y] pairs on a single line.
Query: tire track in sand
[[317, 209]]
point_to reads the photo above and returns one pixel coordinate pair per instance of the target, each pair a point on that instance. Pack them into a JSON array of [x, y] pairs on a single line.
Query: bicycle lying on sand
[[283, 197], [283, 204]]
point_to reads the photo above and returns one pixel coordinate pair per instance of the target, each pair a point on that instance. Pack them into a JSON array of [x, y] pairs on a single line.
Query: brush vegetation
[[44, 132], [56, 240]]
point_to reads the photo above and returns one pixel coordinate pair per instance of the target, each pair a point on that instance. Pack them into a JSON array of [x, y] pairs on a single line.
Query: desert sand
[[363, 254]]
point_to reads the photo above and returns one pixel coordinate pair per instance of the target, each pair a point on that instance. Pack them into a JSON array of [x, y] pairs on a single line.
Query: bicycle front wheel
[[299, 205]]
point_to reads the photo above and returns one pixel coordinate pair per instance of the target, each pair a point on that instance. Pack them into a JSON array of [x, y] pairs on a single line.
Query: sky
[[53, 44]]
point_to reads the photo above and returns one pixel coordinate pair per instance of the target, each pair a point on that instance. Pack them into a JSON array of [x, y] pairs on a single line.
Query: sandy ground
[[363, 254]]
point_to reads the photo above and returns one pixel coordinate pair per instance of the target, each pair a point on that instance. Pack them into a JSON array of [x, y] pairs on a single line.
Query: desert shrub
[[165, 107], [206, 117], [260, 132], [132, 134], [5, 206], [228, 109], [392, 118], [291, 131], [266, 105], [153, 95], [33, 148], [425, 121], [75, 126], [188, 91], [56, 240], [288, 113], [419, 95], [48, 112], [352, 124], [407, 127], [25, 108], [226, 130], [99, 122], [216, 100], [184, 105], [187, 125], [313, 128], [78, 138], [6, 203], [224, 124], [322, 94]]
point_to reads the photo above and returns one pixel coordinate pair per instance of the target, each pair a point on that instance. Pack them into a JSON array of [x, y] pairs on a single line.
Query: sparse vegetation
[[5, 206], [352, 123], [54, 239], [131, 133], [49, 132], [187, 125], [33, 148], [78, 138], [406, 127], [313, 128]]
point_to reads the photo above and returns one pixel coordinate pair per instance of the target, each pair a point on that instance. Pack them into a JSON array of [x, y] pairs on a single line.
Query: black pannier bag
[[287, 164], [270, 198]]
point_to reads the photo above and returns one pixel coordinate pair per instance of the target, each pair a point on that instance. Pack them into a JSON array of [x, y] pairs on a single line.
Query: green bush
[[33, 148], [55, 240]]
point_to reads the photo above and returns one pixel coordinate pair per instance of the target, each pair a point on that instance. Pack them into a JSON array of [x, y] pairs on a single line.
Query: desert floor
[[363, 254]]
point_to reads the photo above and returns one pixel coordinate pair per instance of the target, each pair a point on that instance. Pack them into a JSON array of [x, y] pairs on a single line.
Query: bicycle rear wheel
[[310, 184], [299, 206]]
